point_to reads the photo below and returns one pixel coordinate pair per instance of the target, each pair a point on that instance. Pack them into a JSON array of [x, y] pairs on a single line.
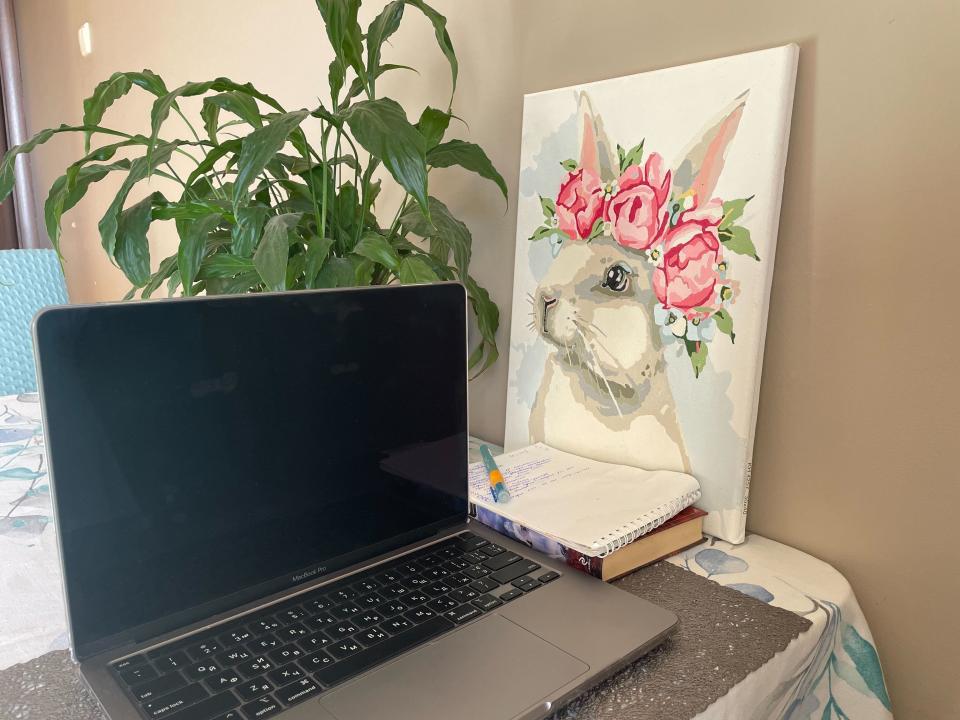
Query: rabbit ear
[[703, 162], [596, 152]]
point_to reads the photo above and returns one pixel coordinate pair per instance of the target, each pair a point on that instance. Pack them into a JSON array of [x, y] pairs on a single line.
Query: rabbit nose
[[548, 302]]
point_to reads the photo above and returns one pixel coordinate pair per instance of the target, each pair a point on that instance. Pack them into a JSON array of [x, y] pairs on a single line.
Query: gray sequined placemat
[[723, 636]]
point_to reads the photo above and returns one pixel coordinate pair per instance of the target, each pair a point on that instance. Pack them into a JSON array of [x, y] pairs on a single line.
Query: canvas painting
[[646, 229]]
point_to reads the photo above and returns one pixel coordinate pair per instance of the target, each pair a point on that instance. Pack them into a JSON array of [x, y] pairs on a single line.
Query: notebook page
[[582, 503]]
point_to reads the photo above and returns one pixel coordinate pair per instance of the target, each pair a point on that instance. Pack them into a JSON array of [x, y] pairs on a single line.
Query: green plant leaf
[[246, 232], [724, 323], [432, 125], [114, 88], [273, 252], [548, 206], [317, 251], [445, 228], [488, 320], [343, 30], [439, 23], [336, 77], [698, 356], [357, 86], [383, 130], [737, 239], [732, 210], [224, 265], [189, 210], [415, 270], [867, 662], [374, 246], [230, 147], [62, 197], [468, 156], [164, 271], [242, 283], [139, 169], [132, 251], [237, 103], [193, 246], [259, 147], [382, 27], [336, 272]]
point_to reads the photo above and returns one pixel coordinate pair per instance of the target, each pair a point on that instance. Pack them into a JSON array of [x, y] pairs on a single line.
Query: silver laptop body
[[154, 563]]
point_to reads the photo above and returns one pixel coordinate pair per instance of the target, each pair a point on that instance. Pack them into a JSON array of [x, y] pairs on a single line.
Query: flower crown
[[684, 242]]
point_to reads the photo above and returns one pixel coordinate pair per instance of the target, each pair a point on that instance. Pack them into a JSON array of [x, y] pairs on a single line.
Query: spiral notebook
[[590, 506]]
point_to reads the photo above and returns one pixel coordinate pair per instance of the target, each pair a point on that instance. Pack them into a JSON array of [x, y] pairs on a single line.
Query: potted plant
[[265, 205]]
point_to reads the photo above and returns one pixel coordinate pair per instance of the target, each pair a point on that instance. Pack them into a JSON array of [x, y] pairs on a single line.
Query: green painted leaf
[[237, 103], [415, 270], [62, 196], [737, 239], [866, 661], [548, 206], [375, 247], [698, 356], [634, 156], [318, 249], [724, 323], [445, 227], [259, 147], [193, 246], [132, 251], [246, 231], [569, 165], [439, 23], [432, 125], [383, 130], [468, 156], [382, 27], [273, 252], [597, 229], [542, 232], [732, 210], [114, 88]]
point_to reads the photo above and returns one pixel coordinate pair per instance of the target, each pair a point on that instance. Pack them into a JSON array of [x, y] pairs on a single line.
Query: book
[[592, 507], [647, 217]]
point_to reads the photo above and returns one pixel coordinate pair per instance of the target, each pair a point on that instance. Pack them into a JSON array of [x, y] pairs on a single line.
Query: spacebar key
[[381, 652]]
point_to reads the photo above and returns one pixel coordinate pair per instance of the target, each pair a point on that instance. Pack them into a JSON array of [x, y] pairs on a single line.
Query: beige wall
[[855, 459]]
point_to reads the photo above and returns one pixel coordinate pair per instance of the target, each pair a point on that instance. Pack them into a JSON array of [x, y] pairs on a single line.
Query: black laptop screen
[[203, 451]]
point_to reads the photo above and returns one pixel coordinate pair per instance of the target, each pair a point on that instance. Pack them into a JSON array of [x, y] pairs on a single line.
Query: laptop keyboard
[[256, 666]]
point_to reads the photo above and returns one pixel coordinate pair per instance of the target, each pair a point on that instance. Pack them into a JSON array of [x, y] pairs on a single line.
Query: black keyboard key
[[512, 572], [420, 614], [415, 583], [366, 586], [171, 662], [312, 643], [391, 608], [491, 549], [511, 594], [342, 594], [437, 589], [293, 632], [254, 688], [436, 573], [201, 650], [231, 657], [344, 648], [128, 663], [235, 637], [456, 564], [501, 561], [319, 622], [158, 686], [298, 692], [464, 595], [355, 664], [170, 703], [315, 661], [292, 614], [288, 653], [230, 715], [416, 598], [261, 708], [285, 675], [223, 681], [442, 604], [256, 666], [468, 541], [393, 591], [346, 610], [341, 630], [370, 636], [463, 614], [265, 643], [199, 670], [486, 602], [484, 585], [548, 576], [370, 600], [476, 571], [317, 604], [388, 577], [396, 625], [474, 558], [264, 625], [210, 708], [368, 618], [138, 673], [526, 584]]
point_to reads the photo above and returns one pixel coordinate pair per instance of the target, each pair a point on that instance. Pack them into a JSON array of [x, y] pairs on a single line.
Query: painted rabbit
[[605, 391]]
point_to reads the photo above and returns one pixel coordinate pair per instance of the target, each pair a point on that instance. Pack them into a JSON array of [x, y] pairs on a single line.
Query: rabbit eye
[[617, 278]]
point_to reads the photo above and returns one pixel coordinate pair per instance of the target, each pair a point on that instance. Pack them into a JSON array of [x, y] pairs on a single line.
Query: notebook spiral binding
[[628, 532]]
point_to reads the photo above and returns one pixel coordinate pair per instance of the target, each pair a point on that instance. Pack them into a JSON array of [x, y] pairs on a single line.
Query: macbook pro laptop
[[262, 509]]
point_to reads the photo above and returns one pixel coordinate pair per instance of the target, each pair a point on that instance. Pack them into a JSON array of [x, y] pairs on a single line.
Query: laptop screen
[[207, 452]]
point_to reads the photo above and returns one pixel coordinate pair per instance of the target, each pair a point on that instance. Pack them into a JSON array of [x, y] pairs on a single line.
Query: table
[[829, 671]]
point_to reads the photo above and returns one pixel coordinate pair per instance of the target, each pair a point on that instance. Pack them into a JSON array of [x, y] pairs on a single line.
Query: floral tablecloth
[[831, 671]]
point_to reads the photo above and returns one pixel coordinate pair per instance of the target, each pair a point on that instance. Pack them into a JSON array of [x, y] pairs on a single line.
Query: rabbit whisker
[[599, 371], [588, 323], [630, 380]]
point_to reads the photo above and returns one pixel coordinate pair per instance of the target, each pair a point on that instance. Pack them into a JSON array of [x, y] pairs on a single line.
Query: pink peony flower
[[688, 275], [636, 212], [579, 204]]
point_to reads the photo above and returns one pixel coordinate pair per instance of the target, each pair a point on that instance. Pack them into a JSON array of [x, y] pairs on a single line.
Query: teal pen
[[498, 487]]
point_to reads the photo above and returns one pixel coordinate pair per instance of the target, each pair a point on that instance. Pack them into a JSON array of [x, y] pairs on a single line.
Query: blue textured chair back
[[29, 280]]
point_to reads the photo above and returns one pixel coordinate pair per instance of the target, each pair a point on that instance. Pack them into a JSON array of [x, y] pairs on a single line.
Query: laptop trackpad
[[490, 669]]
